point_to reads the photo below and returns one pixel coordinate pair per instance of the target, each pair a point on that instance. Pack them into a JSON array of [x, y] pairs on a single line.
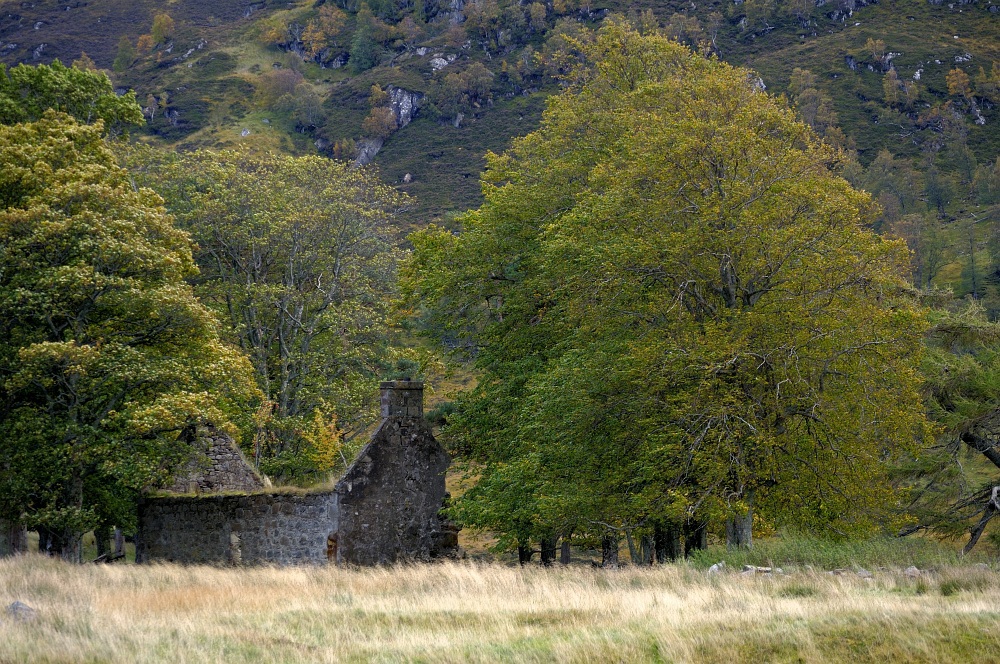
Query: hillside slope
[[913, 77]]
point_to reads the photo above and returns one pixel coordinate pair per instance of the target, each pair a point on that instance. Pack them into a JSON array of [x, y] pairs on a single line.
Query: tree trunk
[[990, 511], [62, 543], [524, 553], [667, 542], [564, 552], [609, 551], [119, 543], [633, 553], [739, 527], [13, 538], [548, 547], [102, 536], [646, 549], [44, 542], [695, 536]]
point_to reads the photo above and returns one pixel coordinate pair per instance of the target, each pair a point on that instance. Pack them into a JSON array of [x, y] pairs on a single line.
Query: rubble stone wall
[[385, 508], [391, 496], [238, 529], [220, 466]]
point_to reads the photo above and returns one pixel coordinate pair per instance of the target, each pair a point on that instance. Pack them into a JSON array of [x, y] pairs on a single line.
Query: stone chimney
[[402, 398]]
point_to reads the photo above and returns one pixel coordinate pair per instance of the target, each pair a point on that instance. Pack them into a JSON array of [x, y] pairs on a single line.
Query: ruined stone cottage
[[384, 509]]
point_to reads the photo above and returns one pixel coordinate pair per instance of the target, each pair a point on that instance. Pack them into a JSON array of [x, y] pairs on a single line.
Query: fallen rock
[[758, 570], [21, 612], [911, 572], [753, 569], [717, 567], [865, 574]]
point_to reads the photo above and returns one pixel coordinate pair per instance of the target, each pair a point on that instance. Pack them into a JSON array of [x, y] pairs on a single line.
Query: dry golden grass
[[483, 613]]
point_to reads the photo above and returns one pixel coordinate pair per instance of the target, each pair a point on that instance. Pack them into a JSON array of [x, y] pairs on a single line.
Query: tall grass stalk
[[461, 612]]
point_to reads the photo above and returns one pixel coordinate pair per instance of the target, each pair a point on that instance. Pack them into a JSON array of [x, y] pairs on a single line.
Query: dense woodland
[[698, 299]]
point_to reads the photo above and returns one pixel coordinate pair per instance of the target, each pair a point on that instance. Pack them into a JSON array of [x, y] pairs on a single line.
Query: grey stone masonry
[[402, 398], [390, 497], [385, 509], [281, 528], [219, 466]]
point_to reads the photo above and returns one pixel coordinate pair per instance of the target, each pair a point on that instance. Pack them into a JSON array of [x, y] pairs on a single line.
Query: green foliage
[[126, 55], [303, 105], [953, 482], [163, 28], [27, 92], [106, 355], [461, 92], [677, 309], [791, 550], [297, 259], [273, 85], [365, 50]]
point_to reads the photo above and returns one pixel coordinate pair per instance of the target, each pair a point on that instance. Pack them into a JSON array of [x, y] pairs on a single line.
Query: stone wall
[[219, 466], [385, 508], [390, 497], [234, 529], [402, 398]]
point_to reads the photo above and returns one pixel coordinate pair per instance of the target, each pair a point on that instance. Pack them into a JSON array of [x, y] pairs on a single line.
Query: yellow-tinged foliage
[[679, 308], [105, 353], [326, 441], [297, 259]]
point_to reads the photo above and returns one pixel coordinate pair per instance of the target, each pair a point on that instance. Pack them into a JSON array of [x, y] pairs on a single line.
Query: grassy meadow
[[457, 612]]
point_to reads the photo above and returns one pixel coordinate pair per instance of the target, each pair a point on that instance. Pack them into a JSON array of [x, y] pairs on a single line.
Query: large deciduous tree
[[27, 92], [680, 313], [956, 487], [105, 353], [297, 257]]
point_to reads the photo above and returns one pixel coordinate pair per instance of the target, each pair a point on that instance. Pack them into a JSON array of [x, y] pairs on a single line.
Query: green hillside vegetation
[[219, 71]]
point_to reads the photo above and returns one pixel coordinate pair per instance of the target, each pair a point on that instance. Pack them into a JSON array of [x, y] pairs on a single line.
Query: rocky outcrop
[[367, 149], [404, 104]]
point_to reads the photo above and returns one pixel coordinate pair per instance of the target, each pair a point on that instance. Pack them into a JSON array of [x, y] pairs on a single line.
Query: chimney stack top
[[402, 398]]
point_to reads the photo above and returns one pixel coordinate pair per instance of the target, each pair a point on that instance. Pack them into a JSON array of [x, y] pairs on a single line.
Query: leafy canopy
[[27, 92], [678, 309], [298, 260], [105, 354]]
